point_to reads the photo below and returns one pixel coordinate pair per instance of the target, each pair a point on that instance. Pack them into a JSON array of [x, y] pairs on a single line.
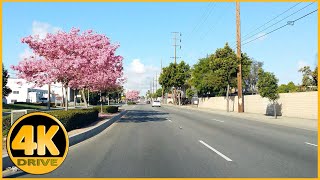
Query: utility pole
[[162, 86], [156, 83], [239, 74], [175, 45], [152, 86], [150, 92]]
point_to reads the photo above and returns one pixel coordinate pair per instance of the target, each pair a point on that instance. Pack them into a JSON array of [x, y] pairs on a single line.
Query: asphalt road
[[170, 142]]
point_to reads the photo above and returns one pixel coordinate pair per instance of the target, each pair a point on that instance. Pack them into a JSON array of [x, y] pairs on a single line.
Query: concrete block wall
[[299, 104]]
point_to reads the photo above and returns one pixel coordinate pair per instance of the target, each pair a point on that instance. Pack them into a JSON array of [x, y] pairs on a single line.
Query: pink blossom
[[132, 95]]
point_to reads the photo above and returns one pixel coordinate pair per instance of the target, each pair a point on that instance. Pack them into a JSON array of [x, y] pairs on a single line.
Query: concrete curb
[[269, 119], [74, 139]]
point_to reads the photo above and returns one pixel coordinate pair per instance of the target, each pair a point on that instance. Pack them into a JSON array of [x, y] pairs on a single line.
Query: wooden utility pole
[[156, 83], [162, 86], [152, 86], [239, 74]]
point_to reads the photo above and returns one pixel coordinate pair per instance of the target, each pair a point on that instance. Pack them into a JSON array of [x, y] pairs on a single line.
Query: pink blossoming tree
[[132, 95], [76, 60]]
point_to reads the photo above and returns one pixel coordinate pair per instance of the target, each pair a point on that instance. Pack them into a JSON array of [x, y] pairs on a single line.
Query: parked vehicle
[[156, 103]]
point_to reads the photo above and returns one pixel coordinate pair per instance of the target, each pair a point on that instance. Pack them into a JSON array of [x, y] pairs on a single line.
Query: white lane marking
[[216, 151], [218, 120], [169, 120], [311, 144]]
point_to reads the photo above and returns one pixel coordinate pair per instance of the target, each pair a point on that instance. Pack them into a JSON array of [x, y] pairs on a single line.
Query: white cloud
[[137, 67], [43, 28], [139, 76], [301, 64], [25, 54]]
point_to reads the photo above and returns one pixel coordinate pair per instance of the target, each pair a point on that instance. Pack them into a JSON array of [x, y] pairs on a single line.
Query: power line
[[202, 20], [277, 22], [212, 27], [288, 23], [203, 15], [272, 19]]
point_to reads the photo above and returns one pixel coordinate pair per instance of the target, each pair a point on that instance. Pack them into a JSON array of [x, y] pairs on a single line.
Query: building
[[22, 91]]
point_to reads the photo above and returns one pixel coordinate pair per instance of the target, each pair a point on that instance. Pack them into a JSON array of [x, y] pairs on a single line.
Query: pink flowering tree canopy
[[132, 95], [76, 60]]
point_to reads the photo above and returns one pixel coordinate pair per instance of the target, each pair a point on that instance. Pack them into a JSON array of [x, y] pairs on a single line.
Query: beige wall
[[301, 105]]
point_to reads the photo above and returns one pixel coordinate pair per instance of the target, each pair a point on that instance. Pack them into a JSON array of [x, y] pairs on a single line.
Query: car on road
[[156, 103]]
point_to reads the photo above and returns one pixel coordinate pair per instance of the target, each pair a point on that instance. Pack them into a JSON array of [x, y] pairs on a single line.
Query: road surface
[[171, 142]]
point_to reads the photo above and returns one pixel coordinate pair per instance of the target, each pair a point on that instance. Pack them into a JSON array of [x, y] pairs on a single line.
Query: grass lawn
[[9, 107]]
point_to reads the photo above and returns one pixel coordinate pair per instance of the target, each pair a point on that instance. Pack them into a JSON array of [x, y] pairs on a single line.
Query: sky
[[144, 32]]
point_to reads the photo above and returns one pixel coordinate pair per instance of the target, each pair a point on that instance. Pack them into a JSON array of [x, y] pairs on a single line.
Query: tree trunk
[[100, 102], [88, 97], [275, 110], [84, 99], [66, 98], [108, 99], [62, 103], [228, 97], [74, 98], [49, 91], [174, 96], [162, 97], [252, 89]]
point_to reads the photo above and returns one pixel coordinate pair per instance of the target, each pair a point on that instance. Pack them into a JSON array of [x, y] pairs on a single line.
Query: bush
[[131, 103], [107, 109], [71, 119], [36, 104], [75, 118], [6, 124]]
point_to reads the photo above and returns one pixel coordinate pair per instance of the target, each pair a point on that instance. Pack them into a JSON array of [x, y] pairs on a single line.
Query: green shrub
[[71, 119], [107, 109], [131, 103], [6, 124], [52, 104], [75, 118]]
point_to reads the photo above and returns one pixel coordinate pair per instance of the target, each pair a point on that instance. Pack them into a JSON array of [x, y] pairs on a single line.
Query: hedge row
[[71, 119], [75, 118], [6, 124], [131, 103], [107, 109], [36, 104]]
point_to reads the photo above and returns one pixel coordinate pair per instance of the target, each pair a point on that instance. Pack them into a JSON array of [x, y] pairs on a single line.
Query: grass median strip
[[216, 151]]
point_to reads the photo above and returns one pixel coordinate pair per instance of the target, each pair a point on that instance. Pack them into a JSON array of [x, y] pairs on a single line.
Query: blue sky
[[144, 32]]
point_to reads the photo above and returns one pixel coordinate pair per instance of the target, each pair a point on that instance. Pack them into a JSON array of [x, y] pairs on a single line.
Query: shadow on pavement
[[139, 116]]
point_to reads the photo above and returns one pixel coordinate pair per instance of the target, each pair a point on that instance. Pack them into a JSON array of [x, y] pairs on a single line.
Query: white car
[[156, 103]]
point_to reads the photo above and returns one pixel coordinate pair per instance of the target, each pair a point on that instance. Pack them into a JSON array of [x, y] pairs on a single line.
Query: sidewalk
[[307, 124]]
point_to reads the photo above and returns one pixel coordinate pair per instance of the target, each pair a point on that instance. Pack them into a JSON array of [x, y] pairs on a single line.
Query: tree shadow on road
[[139, 116]]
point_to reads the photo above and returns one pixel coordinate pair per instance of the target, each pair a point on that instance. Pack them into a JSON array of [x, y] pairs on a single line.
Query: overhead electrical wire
[[288, 23], [278, 21], [271, 19]]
